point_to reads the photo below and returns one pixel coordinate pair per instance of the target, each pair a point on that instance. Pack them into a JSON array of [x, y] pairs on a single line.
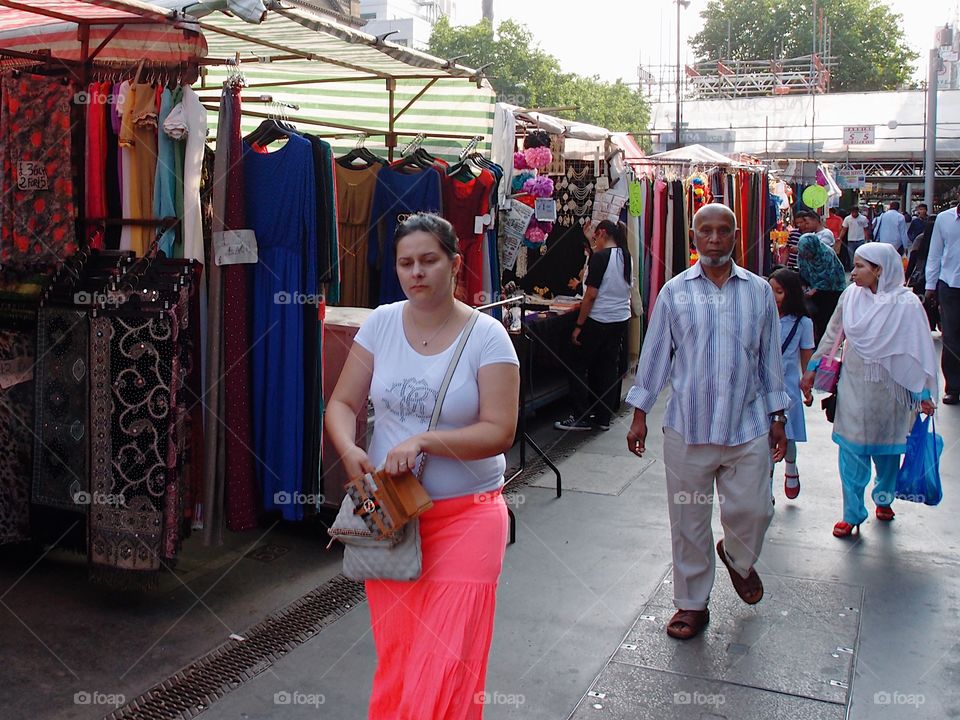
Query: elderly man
[[715, 336]]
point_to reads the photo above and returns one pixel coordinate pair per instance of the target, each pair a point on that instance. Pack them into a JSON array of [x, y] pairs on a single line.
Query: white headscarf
[[889, 328]]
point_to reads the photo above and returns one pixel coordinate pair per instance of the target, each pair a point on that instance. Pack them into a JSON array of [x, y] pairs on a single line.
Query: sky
[[614, 36]]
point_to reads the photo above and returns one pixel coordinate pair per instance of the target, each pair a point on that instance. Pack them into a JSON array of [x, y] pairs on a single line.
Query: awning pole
[[391, 139]]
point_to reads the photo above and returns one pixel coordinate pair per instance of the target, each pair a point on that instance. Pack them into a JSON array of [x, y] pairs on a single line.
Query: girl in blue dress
[[796, 344]]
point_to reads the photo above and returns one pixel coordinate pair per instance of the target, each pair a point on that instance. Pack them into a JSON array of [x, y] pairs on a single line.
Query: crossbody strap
[[442, 392], [451, 368], [793, 331]]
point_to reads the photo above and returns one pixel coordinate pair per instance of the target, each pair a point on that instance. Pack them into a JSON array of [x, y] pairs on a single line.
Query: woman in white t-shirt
[[433, 635], [600, 331]]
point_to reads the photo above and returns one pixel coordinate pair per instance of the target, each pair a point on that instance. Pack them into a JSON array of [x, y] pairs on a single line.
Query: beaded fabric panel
[[133, 359], [61, 443]]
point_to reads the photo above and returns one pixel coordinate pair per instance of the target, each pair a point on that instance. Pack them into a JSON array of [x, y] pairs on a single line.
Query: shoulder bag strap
[[793, 331], [442, 393]]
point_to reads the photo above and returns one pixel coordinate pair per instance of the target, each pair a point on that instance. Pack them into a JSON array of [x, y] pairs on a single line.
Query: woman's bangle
[[579, 326]]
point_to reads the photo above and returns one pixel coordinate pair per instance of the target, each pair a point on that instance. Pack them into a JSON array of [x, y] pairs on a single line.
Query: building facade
[[413, 20]]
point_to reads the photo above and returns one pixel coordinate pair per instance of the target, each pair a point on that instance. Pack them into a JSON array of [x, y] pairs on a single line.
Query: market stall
[[136, 227]]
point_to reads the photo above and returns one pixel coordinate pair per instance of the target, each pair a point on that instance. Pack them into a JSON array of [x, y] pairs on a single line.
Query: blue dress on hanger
[[281, 200], [396, 197]]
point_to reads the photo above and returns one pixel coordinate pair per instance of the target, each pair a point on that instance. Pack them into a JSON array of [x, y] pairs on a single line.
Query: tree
[[868, 40], [523, 74]]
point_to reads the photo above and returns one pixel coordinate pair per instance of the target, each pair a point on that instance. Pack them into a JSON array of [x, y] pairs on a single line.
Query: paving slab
[[595, 473], [628, 692]]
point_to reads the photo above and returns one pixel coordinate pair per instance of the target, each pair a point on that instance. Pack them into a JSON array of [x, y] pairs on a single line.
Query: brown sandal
[[687, 624], [750, 588]]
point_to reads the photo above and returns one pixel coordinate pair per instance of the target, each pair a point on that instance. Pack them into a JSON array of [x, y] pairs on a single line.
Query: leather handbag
[[377, 522], [828, 371]]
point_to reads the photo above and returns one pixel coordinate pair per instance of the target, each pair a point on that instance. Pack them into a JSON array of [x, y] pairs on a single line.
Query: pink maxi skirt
[[433, 635]]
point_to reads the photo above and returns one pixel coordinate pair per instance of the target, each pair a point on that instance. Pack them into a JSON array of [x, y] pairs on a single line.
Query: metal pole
[[677, 137], [930, 155]]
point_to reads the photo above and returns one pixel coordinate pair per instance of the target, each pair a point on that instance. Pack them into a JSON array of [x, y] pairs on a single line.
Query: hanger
[[414, 156], [270, 130], [360, 152]]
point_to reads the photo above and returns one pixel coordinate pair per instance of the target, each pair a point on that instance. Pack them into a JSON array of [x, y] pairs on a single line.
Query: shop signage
[[851, 179], [546, 210], [859, 134], [513, 225], [31, 176]]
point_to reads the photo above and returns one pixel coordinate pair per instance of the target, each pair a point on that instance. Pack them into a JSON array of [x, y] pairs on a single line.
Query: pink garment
[[658, 246], [433, 635]]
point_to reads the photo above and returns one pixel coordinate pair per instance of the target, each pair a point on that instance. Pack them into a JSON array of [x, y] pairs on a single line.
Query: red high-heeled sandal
[[844, 529], [885, 513]]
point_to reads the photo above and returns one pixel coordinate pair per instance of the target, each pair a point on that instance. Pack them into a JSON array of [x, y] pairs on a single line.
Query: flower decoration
[[539, 186], [538, 157], [537, 233], [519, 179], [519, 161]]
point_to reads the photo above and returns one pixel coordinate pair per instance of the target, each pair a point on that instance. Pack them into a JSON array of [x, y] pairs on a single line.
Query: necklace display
[[429, 340]]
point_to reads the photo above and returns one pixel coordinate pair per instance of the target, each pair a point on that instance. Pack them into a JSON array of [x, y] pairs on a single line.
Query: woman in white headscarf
[[889, 372]]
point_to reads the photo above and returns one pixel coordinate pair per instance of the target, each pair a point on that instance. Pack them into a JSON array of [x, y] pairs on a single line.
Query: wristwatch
[[779, 417]]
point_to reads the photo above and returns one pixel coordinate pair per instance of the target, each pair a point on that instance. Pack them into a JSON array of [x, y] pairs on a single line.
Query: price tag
[[636, 198], [480, 222], [603, 183], [32, 176], [546, 209], [235, 247]]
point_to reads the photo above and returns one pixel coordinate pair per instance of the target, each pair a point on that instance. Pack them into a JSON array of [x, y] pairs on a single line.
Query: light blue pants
[[855, 476]]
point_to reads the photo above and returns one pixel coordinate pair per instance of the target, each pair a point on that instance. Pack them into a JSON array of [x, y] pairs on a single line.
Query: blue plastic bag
[[919, 477]]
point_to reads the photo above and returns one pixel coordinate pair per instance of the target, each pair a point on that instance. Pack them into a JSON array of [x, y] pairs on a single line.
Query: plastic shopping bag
[[919, 476]]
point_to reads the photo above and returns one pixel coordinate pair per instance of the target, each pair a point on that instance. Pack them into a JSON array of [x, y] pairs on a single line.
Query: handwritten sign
[[235, 247], [32, 176], [546, 209]]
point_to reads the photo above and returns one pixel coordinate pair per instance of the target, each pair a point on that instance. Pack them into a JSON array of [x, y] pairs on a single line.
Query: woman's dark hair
[[432, 225], [618, 231], [793, 300]]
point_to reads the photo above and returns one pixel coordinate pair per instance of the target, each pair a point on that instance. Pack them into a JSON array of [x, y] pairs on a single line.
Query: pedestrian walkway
[[870, 622], [867, 623]]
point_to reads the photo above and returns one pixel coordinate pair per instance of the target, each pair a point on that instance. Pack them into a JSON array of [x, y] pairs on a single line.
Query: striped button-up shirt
[[719, 347]]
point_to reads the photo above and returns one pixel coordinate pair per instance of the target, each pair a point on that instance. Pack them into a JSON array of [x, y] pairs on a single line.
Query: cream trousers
[[740, 476]]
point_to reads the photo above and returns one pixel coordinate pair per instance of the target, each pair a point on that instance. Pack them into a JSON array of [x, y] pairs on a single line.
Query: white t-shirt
[[404, 393], [605, 272], [826, 237], [856, 228]]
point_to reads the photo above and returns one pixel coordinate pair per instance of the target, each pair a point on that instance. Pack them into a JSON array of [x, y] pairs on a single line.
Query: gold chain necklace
[[423, 342]]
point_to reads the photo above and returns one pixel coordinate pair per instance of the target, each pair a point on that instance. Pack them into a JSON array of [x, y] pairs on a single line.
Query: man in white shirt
[[854, 230], [943, 282], [891, 228], [809, 222]]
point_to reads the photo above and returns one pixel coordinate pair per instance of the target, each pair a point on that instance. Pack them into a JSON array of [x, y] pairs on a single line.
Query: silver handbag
[[367, 556]]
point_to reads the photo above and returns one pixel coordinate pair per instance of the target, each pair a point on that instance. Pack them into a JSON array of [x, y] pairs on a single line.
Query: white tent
[[694, 154]]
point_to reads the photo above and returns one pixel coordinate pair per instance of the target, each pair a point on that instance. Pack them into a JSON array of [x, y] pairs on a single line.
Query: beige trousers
[[740, 475]]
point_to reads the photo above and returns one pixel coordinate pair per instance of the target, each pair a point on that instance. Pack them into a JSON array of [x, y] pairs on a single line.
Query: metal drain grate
[[193, 690]]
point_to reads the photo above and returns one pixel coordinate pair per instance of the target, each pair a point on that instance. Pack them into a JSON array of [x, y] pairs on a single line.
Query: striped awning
[[449, 112], [162, 32], [333, 50], [125, 31]]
